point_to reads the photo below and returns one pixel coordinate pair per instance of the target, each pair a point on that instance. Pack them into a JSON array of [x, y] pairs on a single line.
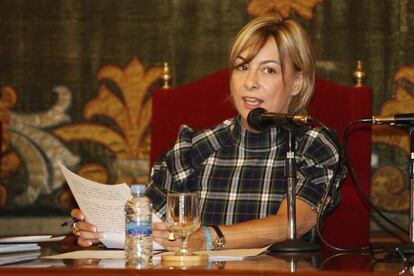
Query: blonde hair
[[293, 45]]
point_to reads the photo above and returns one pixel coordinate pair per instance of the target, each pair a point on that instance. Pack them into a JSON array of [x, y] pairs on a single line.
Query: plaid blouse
[[239, 174]]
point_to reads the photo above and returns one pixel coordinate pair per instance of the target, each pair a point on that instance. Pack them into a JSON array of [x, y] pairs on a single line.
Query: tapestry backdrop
[[76, 79]]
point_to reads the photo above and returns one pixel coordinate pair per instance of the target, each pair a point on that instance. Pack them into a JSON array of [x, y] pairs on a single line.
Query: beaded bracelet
[[209, 238]]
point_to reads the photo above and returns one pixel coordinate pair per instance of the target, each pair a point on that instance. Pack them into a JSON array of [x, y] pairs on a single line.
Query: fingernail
[[89, 243], [102, 235], [93, 229]]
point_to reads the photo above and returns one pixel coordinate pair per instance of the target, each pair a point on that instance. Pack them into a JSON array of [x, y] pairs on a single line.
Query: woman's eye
[[242, 67], [270, 70]]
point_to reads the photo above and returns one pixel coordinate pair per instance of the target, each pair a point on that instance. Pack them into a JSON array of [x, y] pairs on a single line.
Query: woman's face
[[260, 82]]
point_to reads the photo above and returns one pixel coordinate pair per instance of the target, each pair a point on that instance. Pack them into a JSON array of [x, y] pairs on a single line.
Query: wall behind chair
[[76, 79]]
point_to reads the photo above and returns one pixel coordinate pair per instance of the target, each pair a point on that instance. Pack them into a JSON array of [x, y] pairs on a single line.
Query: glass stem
[[184, 245]]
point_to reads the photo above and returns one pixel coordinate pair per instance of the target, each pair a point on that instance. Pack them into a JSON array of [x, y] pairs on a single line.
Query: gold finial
[[359, 75], [166, 76]]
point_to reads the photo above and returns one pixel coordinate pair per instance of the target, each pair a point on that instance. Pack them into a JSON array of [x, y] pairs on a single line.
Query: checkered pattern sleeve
[[317, 158], [176, 170], [172, 172]]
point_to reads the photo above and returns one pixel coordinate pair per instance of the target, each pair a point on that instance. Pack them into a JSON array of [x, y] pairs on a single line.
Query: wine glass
[[183, 218]]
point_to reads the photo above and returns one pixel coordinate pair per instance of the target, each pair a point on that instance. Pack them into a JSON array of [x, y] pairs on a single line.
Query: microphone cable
[[343, 154], [328, 192], [355, 178]]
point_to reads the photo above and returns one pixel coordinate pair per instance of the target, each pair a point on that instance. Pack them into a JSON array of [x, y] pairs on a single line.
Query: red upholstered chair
[[1, 141], [204, 103], [336, 105], [199, 104]]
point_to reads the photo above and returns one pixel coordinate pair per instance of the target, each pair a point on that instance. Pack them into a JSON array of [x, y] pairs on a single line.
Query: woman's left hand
[[160, 234]]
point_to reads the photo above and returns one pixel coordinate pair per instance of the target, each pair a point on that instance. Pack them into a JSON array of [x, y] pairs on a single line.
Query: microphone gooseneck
[[260, 119], [403, 118]]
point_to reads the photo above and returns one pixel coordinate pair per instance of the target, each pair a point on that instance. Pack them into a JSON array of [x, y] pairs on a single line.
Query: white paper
[[18, 257], [31, 239], [89, 254], [103, 206], [233, 254], [15, 247], [221, 255]]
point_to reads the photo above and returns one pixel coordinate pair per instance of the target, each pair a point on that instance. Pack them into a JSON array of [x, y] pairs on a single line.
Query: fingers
[[160, 234], [77, 213], [87, 233], [86, 242], [91, 235], [81, 224], [162, 226], [84, 226], [169, 245], [196, 241], [86, 262], [87, 238]]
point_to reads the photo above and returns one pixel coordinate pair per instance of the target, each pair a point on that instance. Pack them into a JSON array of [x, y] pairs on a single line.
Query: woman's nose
[[251, 82]]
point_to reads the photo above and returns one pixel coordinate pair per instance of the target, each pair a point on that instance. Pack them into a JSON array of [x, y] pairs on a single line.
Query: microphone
[[260, 119], [404, 118]]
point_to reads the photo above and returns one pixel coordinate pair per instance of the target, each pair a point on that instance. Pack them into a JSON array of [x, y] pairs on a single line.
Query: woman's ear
[[297, 83]]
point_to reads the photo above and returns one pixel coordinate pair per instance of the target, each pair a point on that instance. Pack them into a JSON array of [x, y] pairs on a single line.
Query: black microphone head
[[253, 118]]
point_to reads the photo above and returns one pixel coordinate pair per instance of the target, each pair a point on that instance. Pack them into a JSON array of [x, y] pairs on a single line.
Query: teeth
[[252, 100]]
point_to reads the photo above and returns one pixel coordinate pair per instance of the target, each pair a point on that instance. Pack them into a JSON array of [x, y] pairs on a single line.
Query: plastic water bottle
[[138, 228]]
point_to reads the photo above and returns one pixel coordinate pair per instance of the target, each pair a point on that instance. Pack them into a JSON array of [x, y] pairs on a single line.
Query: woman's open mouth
[[252, 102]]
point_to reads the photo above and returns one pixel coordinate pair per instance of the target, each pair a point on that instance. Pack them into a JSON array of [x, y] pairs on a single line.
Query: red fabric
[[1, 141], [203, 103], [336, 105], [200, 104]]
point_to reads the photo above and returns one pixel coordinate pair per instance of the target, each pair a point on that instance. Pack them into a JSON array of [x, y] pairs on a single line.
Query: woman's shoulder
[[197, 136], [318, 139], [201, 144], [315, 132]]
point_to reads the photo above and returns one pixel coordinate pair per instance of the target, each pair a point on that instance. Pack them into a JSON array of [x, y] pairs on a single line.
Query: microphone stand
[[292, 244]]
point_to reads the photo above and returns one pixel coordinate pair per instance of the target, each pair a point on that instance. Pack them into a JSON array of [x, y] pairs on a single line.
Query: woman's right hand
[[87, 232]]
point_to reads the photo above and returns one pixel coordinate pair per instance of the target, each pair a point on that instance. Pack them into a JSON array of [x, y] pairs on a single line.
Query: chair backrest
[[200, 104], [204, 103], [1, 142], [337, 105]]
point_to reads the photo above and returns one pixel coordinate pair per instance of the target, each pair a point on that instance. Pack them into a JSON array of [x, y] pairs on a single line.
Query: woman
[[238, 171]]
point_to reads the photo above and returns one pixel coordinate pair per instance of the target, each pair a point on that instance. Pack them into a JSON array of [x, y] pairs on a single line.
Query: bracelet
[[221, 241], [209, 239]]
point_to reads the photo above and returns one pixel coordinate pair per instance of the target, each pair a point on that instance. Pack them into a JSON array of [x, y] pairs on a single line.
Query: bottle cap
[[137, 188]]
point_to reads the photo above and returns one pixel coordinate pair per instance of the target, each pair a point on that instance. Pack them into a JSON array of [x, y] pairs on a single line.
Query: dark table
[[319, 263]]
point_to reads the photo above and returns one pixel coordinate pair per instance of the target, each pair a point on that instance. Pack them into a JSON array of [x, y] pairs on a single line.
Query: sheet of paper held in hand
[[103, 206]]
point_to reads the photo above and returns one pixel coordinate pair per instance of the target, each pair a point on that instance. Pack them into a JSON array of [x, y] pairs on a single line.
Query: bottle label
[[138, 228]]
